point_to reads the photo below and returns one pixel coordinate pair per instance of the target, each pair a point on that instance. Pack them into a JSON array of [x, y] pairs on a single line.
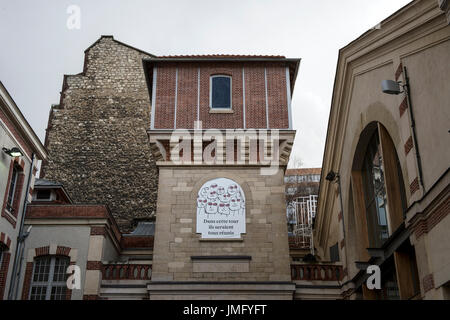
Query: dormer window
[[220, 92], [44, 195]]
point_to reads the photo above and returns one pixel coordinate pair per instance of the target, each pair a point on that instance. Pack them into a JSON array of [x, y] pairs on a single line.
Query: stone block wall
[[96, 137], [176, 240]]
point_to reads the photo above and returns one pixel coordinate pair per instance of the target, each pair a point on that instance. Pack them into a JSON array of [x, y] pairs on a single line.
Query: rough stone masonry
[[96, 136]]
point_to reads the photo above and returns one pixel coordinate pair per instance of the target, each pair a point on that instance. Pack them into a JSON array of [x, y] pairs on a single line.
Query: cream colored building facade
[[390, 155]]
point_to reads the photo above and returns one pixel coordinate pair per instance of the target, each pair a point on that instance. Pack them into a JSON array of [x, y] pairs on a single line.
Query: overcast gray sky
[[38, 48]]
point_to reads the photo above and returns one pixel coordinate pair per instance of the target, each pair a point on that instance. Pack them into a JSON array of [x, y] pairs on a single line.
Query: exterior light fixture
[[13, 152], [331, 176], [391, 87]]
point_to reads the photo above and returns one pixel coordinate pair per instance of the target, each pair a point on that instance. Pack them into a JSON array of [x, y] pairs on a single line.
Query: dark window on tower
[[220, 92], [334, 253]]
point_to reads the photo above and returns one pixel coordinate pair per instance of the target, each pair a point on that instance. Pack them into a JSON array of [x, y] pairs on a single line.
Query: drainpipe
[[413, 127], [15, 276]]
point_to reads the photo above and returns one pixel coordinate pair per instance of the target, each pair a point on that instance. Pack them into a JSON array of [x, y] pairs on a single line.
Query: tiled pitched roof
[[232, 56]]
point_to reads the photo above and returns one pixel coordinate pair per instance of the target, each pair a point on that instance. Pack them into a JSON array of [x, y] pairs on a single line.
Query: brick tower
[[221, 135]]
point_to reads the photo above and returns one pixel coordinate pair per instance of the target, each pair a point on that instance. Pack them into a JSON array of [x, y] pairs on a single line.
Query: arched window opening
[[379, 208], [375, 194], [49, 278]]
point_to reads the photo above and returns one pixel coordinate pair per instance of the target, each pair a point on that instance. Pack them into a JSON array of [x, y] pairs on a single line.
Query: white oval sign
[[221, 209]]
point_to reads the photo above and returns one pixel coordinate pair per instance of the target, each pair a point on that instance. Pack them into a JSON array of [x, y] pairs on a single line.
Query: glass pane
[[390, 287], [41, 269], [58, 293], [61, 264], [220, 95], [38, 293]]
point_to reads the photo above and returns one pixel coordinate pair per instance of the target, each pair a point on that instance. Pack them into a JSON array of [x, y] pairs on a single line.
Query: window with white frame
[[220, 92], [49, 278]]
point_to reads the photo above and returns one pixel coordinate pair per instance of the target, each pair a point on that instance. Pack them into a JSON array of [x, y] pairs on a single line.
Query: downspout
[[413, 127], [15, 276]]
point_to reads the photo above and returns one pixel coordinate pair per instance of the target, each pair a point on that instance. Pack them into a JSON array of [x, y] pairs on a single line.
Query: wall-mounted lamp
[[13, 152], [391, 87], [331, 176]]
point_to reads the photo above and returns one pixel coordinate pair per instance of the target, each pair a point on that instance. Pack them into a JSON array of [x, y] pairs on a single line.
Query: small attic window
[[43, 195], [220, 92]]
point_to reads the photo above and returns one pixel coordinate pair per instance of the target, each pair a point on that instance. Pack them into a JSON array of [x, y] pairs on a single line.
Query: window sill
[[221, 110]]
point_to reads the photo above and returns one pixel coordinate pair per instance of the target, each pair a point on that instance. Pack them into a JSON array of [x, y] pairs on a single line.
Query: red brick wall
[[165, 97], [255, 97], [187, 93], [277, 96], [187, 96]]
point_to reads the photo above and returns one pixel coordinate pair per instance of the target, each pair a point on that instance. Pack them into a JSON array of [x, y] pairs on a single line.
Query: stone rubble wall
[[96, 137]]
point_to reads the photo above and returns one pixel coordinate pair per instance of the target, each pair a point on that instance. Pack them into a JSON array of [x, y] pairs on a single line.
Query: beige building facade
[[384, 193]]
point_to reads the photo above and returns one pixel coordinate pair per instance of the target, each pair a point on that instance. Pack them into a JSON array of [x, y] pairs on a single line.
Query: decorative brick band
[[98, 231], [94, 265], [428, 282], [27, 280], [414, 186], [408, 145], [438, 214], [42, 251], [4, 266], [5, 240], [403, 106], [63, 251], [399, 71]]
